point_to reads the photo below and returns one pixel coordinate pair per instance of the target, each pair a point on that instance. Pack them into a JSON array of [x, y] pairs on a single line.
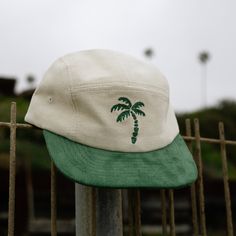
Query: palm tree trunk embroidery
[[135, 133], [128, 109]]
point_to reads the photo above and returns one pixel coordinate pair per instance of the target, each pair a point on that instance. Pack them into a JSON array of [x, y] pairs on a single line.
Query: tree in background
[[30, 79], [204, 57], [149, 53]]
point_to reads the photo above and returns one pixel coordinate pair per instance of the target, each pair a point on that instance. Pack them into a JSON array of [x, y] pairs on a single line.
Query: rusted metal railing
[[225, 178], [163, 211], [12, 172], [134, 200], [198, 156], [172, 213], [53, 201], [134, 203], [193, 186]]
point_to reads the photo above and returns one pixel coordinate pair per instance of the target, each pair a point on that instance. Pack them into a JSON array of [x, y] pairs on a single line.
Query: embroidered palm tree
[[129, 110]]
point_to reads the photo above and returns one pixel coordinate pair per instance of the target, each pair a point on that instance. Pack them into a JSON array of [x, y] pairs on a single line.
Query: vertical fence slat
[[193, 187], [163, 212], [138, 213], [53, 201], [172, 212], [29, 187], [225, 179], [200, 178], [134, 204], [130, 213], [94, 211], [12, 172]]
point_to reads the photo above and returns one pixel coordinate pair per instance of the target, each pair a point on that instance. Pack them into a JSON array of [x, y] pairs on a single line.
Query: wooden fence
[[134, 213]]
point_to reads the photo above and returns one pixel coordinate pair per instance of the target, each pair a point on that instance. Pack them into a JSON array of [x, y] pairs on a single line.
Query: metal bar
[[193, 187], [198, 156], [94, 212], [29, 187], [210, 140], [85, 210], [226, 180], [134, 203], [109, 212], [53, 201], [172, 212], [163, 212], [18, 125], [137, 208], [130, 213], [12, 172], [191, 138]]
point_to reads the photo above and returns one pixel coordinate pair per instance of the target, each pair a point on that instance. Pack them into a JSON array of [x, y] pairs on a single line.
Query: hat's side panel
[[51, 106]]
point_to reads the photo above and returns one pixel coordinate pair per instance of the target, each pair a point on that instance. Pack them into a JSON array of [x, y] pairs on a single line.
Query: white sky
[[35, 33]]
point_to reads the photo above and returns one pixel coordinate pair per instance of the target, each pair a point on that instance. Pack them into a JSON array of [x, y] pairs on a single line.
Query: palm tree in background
[[30, 79], [149, 53], [204, 57], [129, 110]]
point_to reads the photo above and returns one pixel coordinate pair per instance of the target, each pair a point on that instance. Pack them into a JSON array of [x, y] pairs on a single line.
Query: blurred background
[[192, 43]]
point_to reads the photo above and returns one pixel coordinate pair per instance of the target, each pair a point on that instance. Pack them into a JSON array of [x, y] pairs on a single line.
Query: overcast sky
[[35, 33]]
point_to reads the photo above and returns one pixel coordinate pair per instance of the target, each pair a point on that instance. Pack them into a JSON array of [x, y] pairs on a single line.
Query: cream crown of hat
[[108, 122]]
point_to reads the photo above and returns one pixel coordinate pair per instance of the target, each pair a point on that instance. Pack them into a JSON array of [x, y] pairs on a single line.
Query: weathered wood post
[[109, 212], [98, 211], [84, 211]]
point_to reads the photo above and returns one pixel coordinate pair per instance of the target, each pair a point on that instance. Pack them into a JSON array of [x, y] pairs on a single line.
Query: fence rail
[[134, 201]]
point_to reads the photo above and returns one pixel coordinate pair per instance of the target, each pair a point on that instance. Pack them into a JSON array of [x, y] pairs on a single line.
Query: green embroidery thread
[[128, 109]]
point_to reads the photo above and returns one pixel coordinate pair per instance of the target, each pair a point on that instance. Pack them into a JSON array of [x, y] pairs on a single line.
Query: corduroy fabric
[[169, 167]]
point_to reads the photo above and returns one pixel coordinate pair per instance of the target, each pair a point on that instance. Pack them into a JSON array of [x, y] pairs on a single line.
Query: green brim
[[169, 167]]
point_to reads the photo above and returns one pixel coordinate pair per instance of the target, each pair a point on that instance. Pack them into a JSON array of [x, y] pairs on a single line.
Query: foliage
[[209, 119], [30, 142]]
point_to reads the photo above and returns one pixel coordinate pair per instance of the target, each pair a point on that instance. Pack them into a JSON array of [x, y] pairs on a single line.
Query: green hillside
[[30, 142], [209, 118]]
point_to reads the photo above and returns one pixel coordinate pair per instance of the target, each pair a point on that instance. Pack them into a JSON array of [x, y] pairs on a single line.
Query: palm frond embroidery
[[127, 110]]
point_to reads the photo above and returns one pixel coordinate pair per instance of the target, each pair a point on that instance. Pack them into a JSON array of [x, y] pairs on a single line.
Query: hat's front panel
[[123, 119]]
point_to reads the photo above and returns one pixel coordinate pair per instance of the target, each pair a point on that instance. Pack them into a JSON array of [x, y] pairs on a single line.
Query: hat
[[108, 122]]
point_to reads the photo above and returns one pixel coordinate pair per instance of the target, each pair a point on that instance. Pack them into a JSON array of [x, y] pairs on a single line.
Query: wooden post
[[109, 212], [98, 211], [84, 211]]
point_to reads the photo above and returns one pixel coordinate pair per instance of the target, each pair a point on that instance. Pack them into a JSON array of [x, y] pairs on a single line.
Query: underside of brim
[[169, 167]]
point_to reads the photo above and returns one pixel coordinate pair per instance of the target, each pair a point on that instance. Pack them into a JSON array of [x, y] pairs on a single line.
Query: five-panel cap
[[108, 122]]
